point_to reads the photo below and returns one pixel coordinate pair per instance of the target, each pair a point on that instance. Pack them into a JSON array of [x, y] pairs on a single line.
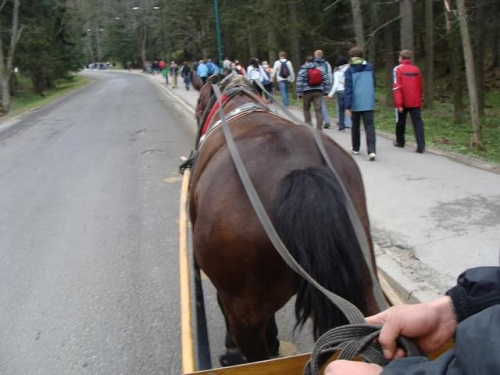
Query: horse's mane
[[235, 80]]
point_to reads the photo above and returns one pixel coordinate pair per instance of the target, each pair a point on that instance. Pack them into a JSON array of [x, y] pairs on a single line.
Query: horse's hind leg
[[273, 344], [233, 355], [257, 341]]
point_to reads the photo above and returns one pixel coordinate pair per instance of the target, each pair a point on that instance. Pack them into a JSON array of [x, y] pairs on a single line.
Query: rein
[[358, 337]]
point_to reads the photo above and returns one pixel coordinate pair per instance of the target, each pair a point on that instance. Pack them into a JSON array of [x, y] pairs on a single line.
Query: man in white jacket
[[338, 89], [283, 71]]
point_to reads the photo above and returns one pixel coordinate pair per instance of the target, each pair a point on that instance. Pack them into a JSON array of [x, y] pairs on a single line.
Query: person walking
[[359, 99], [166, 72], [312, 85], [338, 89], [468, 314], [256, 73], [239, 68], [185, 72], [407, 91], [284, 75], [202, 71], [174, 72], [268, 85], [325, 66]]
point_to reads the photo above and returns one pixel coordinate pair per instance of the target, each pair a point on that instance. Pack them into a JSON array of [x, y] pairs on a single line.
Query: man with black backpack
[[283, 71], [313, 85]]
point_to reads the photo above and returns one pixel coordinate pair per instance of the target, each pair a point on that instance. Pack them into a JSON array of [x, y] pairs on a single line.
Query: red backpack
[[314, 77]]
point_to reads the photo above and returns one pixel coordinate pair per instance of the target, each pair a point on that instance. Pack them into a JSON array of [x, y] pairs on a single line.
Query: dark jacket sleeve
[[301, 81], [476, 289], [348, 88], [477, 350], [476, 299]]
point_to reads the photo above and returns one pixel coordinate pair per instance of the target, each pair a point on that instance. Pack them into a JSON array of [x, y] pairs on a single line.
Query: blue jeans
[[324, 112], [186, 82], [343, 120], [283, 84]]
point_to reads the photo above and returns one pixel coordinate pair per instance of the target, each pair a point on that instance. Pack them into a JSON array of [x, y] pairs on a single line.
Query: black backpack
[[284, 72]]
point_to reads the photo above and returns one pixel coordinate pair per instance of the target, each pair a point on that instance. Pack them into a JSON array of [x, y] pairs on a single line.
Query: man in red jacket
[[407, 90]]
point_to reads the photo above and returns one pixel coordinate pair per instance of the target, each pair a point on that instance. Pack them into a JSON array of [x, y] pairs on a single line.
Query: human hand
[[327, 97], [341, 367], [348, 112], [430, 325], [400, 110]]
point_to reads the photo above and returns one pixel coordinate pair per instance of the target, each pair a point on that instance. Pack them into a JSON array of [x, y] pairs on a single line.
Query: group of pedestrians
[[351, 80], [173, 71]]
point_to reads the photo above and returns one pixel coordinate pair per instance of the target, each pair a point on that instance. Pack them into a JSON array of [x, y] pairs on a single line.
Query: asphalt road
[[88, 233]]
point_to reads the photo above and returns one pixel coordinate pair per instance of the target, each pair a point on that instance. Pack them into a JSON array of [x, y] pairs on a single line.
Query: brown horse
[[307, 208]]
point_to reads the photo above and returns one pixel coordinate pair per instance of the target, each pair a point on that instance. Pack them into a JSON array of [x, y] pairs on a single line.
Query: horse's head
[[207, 98]]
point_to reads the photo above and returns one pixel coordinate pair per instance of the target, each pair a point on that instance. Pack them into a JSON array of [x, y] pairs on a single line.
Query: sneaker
[[372, 156], [419, 151], [326, 126], [341, 130], [354, 151], [396, 144]]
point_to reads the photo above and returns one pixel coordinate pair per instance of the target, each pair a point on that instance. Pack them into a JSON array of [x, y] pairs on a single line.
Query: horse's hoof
[[232, 358]]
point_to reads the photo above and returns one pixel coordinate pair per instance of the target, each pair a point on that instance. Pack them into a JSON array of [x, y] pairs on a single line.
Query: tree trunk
[[477, 140], [455, 68], [271, 34], [390, 61], [357, 18], [143, 46], [251, 39], [295, 42], [429, 55], [372, 48], [38, 81], [406, 9], [6, 94], [6, 63], [480, 35], [496, 48]]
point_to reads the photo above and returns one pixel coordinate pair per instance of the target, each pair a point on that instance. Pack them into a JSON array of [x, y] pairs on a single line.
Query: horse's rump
[[307, 207]]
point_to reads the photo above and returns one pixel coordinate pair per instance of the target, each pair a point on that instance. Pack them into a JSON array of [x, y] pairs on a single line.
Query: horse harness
[[237, 113], [357, 338]]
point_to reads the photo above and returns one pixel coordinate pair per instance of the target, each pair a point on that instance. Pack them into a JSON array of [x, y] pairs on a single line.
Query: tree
[[357, 19], [7, 56], [429, 54], [406, 9], [477, 139], [455, 66], [51, 46]]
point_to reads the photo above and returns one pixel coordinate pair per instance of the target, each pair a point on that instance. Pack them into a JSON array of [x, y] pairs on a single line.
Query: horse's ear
[[214, 79], [196, 81]]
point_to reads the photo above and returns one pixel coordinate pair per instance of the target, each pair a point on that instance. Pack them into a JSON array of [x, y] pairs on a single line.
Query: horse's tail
[[311, 219]]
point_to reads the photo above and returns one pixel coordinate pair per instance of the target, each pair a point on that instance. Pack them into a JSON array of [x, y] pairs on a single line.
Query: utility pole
[[217, 32]]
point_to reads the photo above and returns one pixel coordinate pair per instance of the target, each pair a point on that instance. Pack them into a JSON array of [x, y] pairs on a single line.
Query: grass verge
[[26, 99], [440, 131]]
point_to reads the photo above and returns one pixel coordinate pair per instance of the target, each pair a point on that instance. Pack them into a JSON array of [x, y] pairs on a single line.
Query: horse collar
[[236, 113]]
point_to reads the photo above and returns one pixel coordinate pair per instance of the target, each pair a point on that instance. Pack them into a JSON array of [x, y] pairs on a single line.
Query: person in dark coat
[[469, 313], [359, 100]]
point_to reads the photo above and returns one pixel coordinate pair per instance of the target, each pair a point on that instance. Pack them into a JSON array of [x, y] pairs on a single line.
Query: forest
[[455, 42]]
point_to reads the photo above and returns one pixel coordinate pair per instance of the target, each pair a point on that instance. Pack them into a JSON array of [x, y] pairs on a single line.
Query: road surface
[[88, 233]]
